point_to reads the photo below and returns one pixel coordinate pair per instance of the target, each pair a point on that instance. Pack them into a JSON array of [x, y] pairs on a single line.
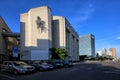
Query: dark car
[[67, 63], [42, 66], [57, 63], [0, 66], [47, 64], [16, 67]]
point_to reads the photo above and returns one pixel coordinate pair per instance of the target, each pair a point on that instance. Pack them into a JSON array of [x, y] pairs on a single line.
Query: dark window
[[9, 64], [5, 63]]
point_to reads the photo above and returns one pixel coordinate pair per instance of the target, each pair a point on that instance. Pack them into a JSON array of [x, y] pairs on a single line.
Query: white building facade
[[64, 36], [41, 31]]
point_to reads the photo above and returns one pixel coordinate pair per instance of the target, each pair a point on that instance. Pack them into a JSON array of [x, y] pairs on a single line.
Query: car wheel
[[1, 70], [15, 72], [41, 69], [66, 65]]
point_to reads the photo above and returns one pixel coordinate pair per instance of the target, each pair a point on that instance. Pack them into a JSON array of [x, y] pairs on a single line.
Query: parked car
[[67, 63], [0, 66], [16, 67], [57, 63], [42, 66], [47, 64]]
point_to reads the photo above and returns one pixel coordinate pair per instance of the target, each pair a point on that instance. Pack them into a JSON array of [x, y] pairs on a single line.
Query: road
[[80, 71]]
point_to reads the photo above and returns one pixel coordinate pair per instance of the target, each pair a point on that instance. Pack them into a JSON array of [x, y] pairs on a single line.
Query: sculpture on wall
[[40, 25]]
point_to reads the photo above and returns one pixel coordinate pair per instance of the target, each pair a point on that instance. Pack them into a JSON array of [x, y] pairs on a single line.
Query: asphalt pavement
[[90, 70]]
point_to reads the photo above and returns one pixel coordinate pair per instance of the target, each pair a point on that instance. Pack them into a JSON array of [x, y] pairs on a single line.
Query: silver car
[[16, 67], [42, 66]]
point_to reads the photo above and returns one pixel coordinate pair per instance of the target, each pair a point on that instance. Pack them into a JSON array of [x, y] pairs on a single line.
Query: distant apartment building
[[7, 41], [104, 52], [112, 52], [87, 45], [41, 31]]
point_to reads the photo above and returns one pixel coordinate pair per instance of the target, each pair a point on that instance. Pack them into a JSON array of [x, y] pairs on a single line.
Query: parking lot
[[14, 69], [32, 76], [80, 71]]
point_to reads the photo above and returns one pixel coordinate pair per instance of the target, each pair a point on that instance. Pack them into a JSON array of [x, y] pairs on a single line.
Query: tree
[[106, 57], [54, 53], [58, 53], [61, 52]]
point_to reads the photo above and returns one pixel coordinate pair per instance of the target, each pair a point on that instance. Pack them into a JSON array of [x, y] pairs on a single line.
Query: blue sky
[[99, 17]]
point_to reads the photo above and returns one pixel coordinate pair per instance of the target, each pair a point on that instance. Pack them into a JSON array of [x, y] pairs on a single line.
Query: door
[[10, 67]]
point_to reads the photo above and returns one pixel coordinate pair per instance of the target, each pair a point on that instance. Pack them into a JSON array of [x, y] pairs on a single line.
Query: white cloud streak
[[83, 13], [117, 38]]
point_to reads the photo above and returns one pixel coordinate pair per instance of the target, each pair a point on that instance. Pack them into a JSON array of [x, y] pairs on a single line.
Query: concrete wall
[[32, 38], [2, 39], [64, 36], [53, 35], [6, 42], [59, 36]]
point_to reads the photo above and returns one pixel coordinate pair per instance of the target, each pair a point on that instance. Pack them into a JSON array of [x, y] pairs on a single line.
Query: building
[[112, 52], [41, 31], [8, 40], [99, 53], [65, 37], [104, 52], [87, 45]]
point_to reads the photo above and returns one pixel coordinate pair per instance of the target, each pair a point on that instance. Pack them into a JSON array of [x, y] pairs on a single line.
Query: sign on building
[[15, 51]]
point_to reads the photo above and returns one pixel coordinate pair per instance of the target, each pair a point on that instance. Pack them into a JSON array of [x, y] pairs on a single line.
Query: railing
[[10, 34]]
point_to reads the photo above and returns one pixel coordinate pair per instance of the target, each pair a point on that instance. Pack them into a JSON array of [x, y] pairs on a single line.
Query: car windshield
[[20, 64], [44, 63]]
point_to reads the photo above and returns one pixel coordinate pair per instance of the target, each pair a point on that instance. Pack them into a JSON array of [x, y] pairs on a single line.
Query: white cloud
[[83, 13], [87, 12], [118, 38]]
